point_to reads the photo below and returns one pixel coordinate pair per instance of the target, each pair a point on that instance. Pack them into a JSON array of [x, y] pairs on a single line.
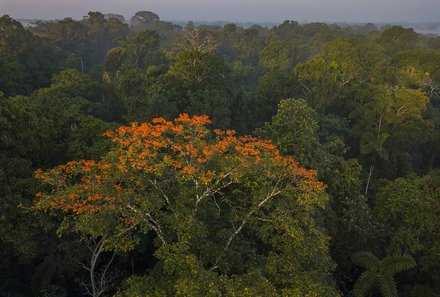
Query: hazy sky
[[235, 10]]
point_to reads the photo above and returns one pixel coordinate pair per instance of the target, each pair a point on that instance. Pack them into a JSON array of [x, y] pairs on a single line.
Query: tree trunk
[[369, 178], [374, 162]]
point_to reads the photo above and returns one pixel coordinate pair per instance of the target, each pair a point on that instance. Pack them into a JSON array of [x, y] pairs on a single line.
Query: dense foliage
[[125, 168]]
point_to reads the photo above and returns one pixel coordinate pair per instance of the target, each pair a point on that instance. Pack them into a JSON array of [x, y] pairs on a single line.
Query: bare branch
[[154, 183], [151, 222], [103, 281], [156, 227], [84, 266], [228, 243], [274, 192], [214, 189], [194, 40]]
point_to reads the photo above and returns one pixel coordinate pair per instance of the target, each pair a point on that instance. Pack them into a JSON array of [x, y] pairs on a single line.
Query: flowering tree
[[229, 213]]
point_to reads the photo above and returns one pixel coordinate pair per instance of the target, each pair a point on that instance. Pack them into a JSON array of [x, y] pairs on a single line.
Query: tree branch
[[154, 183], [275, 191]]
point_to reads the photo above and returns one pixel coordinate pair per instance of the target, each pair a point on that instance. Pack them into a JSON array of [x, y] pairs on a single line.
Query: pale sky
[[235, 10]]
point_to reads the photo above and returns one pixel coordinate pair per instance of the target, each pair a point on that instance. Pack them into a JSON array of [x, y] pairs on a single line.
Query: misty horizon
[[355, 11]]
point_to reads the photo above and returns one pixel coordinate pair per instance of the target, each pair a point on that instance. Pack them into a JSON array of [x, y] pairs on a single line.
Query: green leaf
[[387, 285], [364, 283], [397, 263], [366, 260]]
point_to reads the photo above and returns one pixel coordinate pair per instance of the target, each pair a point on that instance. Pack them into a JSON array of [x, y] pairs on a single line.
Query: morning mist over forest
[[239, 11], [219, 148]]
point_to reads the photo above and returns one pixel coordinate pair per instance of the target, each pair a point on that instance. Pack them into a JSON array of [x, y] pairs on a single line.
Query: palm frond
[[366, 260], [364, 283], [393, 264], [387, 285]]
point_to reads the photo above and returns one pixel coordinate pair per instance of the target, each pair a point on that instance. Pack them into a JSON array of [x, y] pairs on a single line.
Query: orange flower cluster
[[69, 196], [184, 148]]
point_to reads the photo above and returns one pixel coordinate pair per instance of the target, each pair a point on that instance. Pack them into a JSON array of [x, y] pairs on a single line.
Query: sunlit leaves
[[191, 186]]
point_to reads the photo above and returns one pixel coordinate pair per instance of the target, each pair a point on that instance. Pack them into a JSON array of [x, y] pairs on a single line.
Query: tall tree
[[204, 196], [27, 61], [409, 207]]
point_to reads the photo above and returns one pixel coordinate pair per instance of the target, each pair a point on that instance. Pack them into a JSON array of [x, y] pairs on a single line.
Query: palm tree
[[380, 273]]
